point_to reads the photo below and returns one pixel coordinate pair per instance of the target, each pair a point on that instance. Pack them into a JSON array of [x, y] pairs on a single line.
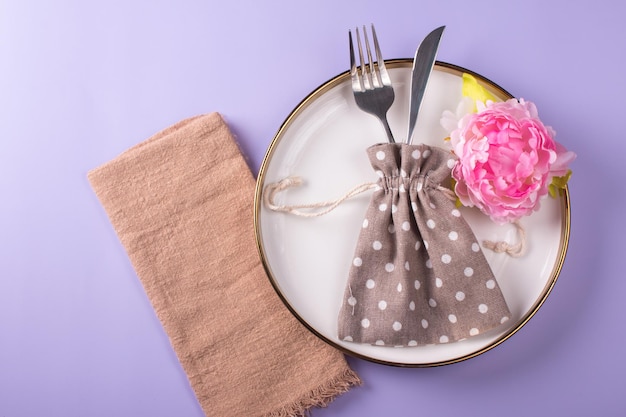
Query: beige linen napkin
[[181, 204]]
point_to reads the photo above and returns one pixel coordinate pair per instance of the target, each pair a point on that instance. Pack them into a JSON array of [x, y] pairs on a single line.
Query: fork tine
[[384, 75], [357, 85], [364, 72], [371, 67]]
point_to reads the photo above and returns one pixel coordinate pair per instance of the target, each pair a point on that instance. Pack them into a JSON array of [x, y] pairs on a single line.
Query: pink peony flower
[[507, 159]]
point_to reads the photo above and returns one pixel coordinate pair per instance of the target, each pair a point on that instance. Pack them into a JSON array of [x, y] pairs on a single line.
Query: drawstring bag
[[418, 275]]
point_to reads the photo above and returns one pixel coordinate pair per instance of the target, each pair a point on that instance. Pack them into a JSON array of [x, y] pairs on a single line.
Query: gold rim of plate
[[258, 199]]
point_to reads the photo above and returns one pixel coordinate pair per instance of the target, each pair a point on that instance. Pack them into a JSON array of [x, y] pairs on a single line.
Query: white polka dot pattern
[[418, 275]]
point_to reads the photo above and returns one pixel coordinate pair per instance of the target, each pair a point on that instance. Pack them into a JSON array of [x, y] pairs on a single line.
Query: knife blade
[[422, 67]]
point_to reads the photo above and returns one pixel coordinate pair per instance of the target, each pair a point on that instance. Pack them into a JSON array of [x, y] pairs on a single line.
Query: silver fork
[[371, 84]]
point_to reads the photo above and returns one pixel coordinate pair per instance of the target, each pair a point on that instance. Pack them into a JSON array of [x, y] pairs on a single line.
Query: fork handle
[[387, 129]]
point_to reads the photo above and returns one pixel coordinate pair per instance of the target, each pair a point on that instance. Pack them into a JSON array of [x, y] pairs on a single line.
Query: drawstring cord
[[271, 190]]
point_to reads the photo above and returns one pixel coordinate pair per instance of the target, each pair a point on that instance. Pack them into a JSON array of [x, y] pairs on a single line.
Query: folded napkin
[[181, 204]]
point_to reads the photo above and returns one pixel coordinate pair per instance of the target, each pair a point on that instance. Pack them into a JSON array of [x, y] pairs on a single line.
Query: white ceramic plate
[[323, 141]]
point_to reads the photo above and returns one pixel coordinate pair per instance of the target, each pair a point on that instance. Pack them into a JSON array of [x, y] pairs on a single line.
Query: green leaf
[[558, 184]]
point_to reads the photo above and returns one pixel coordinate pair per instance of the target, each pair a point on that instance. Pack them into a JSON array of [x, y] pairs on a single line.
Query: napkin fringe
[[322, 396]]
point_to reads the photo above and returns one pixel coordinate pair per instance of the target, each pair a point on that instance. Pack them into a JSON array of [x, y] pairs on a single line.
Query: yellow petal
[[475, 91]]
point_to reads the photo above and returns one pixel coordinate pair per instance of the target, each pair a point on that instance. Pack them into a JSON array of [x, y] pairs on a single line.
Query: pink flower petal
[[507, 158]]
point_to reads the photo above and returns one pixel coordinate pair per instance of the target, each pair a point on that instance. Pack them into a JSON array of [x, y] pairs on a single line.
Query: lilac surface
[[81, 82]]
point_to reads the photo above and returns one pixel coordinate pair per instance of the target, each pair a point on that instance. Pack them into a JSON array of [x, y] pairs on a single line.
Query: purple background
[[81, 82]]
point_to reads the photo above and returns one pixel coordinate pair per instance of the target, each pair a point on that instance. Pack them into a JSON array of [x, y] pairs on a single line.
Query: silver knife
[[422, 67]]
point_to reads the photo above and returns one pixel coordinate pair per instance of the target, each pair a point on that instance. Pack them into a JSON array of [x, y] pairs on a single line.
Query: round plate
[[323, 141]]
